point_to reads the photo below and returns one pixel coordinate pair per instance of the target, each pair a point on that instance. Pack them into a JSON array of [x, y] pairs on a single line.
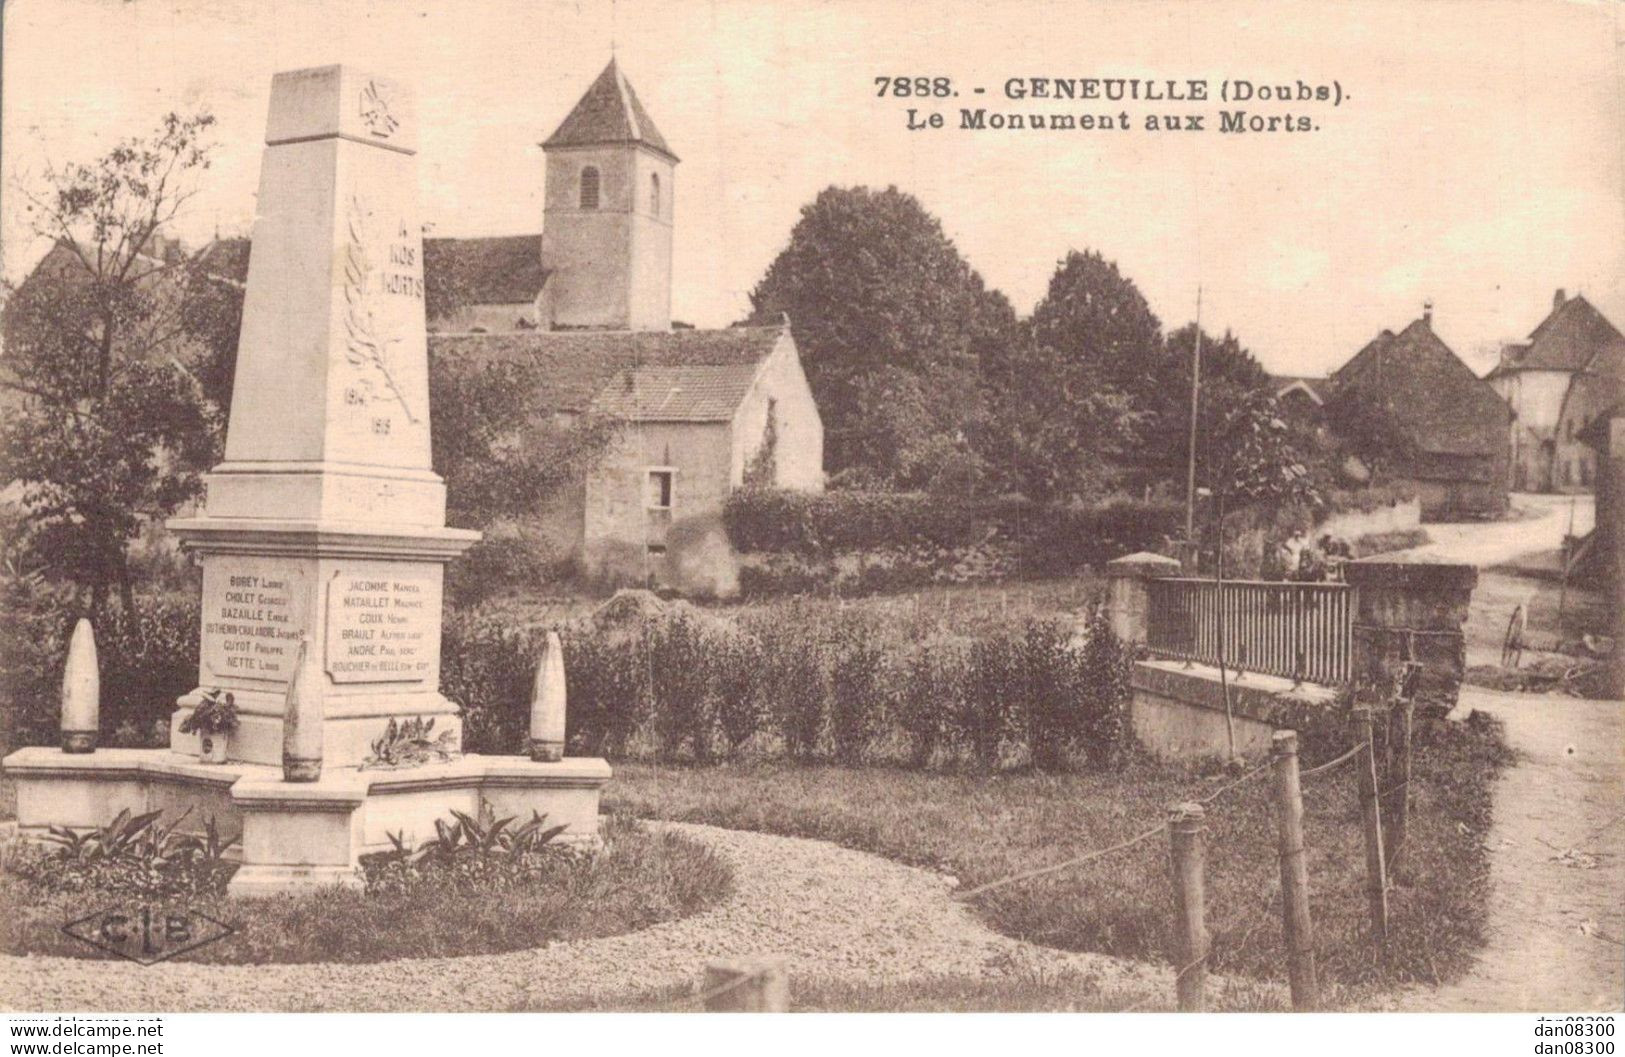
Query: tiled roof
[[610, 112], [574, 366], [503, 270], [676, 394], [1447, 409], [1566, 340]]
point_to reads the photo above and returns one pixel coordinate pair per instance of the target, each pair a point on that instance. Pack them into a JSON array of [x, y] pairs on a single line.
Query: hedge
[[1047, 539], [807, 681], [802, 679], [148, 658]]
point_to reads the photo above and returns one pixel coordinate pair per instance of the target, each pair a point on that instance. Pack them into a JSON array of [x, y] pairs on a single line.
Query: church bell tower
[[607, 221]]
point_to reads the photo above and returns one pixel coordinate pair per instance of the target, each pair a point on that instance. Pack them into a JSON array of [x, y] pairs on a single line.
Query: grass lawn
[[980, 828], [637, 880]]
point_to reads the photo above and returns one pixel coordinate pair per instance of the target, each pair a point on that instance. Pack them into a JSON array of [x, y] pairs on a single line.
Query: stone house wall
[[618, 523], [799, 450]]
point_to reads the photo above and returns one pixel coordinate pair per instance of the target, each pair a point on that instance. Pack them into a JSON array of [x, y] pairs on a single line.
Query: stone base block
[[300, 835], [1178, 712]]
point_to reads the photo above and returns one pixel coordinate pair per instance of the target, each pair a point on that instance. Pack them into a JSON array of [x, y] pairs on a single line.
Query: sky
[[1477, 160]]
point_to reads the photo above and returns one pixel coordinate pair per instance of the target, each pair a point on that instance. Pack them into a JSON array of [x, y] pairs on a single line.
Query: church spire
[[609, 112]]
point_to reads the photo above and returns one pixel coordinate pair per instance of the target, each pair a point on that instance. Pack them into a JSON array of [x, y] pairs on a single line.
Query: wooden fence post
[[1375, 864], [1399, 778], [1185, 824], [1300, 937], [759, 985]]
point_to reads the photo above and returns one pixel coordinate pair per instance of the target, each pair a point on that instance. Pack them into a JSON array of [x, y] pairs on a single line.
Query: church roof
[[1435, 397], [609, 112], [574, 368], [501, 270], [1566, 340]]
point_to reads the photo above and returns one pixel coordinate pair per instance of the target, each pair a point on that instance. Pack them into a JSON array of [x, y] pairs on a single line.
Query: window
[[660, 486], [589, 188], [654, 194]]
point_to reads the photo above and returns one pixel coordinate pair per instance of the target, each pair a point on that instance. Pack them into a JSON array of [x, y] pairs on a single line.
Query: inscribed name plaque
[[379, 626], [253, 615]]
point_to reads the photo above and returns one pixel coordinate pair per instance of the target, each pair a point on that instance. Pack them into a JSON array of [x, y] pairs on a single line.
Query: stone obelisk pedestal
[[324, 524]]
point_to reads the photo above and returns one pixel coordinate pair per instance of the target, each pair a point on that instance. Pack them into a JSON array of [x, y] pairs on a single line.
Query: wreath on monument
[[408, 743]]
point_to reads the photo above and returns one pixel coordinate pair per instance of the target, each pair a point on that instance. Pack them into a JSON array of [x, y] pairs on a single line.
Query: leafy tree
[[211, 313], [1244, 456], [1365, 426], [916, 428], [1230, 373], [1056, 432], [110, 424], [497, 460], [873, 287], [1095, 319]]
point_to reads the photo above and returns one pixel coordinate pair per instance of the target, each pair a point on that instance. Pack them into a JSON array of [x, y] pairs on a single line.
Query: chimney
[[1558, 299], [1427, 312]]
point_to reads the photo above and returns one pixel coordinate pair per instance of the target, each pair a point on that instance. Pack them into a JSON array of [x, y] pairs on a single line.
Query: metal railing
[[1296, 630]]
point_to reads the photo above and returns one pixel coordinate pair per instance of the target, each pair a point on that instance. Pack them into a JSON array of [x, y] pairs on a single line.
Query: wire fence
[[1257, 916], [1185, 827]]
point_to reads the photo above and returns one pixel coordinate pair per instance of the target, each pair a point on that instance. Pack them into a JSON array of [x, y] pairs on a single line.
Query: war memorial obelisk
[[322, 540], [325, 518]]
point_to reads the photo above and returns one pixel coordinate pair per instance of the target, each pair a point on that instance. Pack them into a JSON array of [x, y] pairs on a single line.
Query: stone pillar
[[1128, 598], [1410, 610]]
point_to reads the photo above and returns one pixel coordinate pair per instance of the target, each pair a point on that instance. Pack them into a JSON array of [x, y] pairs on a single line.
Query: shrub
[[1104, 669], [767, 519], [488, 669], [859, 686], [741, 688], [681, 683], [991, 692], [148, 659], [805, 680], [908, 539], [498, 563], [932, 693], [1060, 540], [794, 669], [607, 672]]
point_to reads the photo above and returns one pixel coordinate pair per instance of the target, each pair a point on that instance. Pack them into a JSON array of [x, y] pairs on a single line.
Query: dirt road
[[1486, 543], [1557, 848]]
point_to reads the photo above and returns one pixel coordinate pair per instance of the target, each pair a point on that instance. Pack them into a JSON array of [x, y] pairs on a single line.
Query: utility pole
[[1190, 462]]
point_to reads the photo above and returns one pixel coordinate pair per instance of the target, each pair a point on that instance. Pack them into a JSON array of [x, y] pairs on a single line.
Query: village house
[[1457, 426], [1570, 370]]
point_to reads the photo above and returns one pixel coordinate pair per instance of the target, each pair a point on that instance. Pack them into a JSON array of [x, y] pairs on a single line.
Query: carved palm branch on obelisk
[[363, 347]]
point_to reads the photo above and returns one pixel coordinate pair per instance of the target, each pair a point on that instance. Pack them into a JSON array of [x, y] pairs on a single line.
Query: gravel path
[[1557, 863], [829, 912]]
